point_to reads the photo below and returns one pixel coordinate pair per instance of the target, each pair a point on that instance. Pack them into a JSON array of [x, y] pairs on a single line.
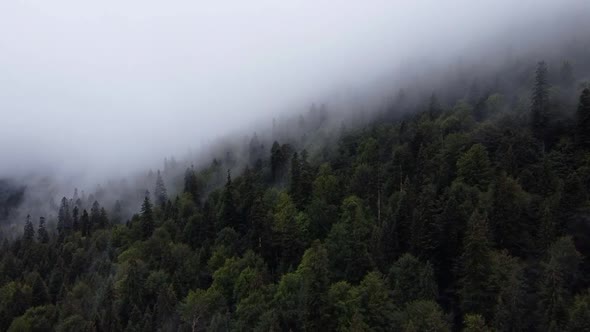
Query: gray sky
[[102, 86]]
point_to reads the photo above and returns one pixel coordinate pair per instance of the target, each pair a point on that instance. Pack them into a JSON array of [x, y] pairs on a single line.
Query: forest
[[464, 210]]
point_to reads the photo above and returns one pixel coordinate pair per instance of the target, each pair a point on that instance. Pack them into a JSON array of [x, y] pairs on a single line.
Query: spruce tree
[[29, 233], [95, 215], [64, 216], [85, 223], [583, 120], [76, 219], [160, 193], [540, 102], [228, 214], [42, 235], [295, 190], [147, 218], [475, 292]]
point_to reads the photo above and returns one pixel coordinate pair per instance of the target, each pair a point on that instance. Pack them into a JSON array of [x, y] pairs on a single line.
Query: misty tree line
[[470, 215]]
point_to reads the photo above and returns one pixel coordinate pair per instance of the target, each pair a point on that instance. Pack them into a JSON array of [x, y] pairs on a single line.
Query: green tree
[[42, 234], [412, 280], [560, 271], [29, 232], [473, 167], [147, 217], [348, 242], [160, 192], [583, 120], [475, 289], [540, 102], [315, 278]]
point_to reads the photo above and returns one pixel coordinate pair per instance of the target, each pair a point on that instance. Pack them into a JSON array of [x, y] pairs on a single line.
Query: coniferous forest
[[465, 209]]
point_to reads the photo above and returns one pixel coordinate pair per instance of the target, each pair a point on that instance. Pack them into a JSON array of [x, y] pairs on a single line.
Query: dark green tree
[[160, 192], [540, 102], [475, 264], [583, 120], [42, 234], [147, 217], [29, 232]]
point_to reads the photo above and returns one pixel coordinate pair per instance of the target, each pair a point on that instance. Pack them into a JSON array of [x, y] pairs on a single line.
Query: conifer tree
[[95, 215], [540, 102], [160, 192], [42, 235], [147, 218], [85, 223], [475, 292], [228, 214], [64, 216], [29, 233], [583, 120], [76, 219]]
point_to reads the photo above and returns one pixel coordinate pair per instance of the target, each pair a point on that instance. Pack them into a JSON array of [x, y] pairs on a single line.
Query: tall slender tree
[[540, 102], [583, 120], [29, 233], [147, 217], [42, 235], [160, 192]]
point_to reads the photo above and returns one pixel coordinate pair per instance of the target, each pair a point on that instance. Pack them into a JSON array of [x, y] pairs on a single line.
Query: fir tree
[[85, 223], [583, 120], [29, 233], [147, 218], [540, 102], [42, 235], [160, 193]]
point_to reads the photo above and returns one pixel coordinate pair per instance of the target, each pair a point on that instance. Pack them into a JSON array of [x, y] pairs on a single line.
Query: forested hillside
[[468, 212]]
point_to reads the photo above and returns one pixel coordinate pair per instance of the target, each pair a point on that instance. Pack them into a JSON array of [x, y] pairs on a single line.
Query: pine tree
[[64, 216], [475, 291], [95, 215], [85, 223], [583, 120], [228, 214], [191, 184], [560, 271], [147, 218], [315, 278], [540, 102], [160, 193], [295, 190], [76, 219], [29, 233], [42, 235]]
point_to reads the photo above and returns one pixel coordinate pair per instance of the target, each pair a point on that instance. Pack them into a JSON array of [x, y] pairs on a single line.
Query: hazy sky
[[115, 84]]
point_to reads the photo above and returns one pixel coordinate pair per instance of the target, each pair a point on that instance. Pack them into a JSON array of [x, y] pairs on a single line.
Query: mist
[[95, 92]]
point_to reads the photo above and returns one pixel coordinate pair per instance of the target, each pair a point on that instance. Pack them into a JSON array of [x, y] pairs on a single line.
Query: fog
[[108, 87]]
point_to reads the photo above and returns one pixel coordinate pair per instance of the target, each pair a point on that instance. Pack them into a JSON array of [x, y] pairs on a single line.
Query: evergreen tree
[[29, 233], [560, 272], [76, 219], [191, 184], [228, 216], [85, 223], [473, 167], [540, 102], [315, 278], [475, 292], [295, 190], [160, 193], [95, 219], [42, 235], [64, 216], [147, 218], [583, 120]]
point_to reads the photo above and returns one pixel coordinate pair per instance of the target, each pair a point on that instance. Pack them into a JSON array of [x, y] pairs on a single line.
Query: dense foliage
[[472, 216]]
